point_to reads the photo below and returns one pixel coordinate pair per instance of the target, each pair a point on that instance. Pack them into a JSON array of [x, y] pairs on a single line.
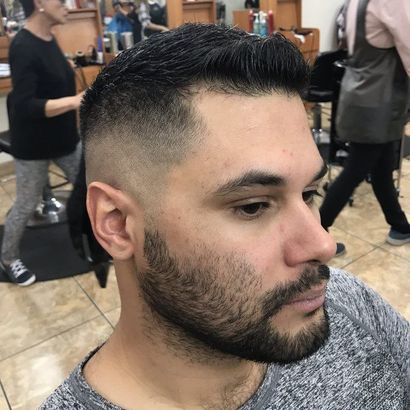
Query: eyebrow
[[255, 177]]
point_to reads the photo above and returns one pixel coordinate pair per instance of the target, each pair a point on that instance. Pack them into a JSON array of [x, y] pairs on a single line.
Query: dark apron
[[374, 92]]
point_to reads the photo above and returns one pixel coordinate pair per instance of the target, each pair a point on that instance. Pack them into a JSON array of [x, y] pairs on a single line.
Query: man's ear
[[108, 209]]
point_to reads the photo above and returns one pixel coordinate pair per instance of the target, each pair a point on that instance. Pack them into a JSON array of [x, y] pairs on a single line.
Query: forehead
[[242, 133]]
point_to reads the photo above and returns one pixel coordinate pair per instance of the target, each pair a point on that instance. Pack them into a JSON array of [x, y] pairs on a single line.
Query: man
[[149, 18], [132, 17], [121, 22], [207, 210], [372, 109]]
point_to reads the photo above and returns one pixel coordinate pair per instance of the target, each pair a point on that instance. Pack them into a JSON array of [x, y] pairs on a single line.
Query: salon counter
[[84, 78], [5, 85]]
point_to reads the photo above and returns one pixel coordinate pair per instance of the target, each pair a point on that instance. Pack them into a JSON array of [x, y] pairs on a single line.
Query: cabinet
[[81, 31], [85, 76], [190, 11], [287, 15], [4, 49]]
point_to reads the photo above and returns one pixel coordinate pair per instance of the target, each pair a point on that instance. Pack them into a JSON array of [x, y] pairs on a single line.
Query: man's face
[[235, 254], [124, 6]]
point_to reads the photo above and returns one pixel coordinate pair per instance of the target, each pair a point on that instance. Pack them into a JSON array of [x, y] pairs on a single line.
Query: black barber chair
[[321, 89], [82, 236], [337, 150]]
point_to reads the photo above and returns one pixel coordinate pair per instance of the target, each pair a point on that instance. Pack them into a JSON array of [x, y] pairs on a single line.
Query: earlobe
[[39, 5], [107, 208]]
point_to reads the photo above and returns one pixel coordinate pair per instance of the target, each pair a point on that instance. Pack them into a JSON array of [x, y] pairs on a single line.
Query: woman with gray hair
[[42, 121]]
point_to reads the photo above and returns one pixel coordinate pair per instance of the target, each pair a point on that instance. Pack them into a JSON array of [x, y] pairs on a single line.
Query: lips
[[310, 294], [310, 300]]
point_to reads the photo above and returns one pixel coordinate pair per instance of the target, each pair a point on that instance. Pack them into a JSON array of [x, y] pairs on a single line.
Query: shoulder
[[348, 293], [365, 309], [391, 12], [76, 393], [63, 398], [19, 41], [22, 45]]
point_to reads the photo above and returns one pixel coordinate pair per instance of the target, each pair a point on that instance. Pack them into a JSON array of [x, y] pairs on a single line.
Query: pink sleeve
[[395, 15]]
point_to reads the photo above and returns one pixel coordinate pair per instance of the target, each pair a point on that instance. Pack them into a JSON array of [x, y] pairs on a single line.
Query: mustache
[[311, 276]]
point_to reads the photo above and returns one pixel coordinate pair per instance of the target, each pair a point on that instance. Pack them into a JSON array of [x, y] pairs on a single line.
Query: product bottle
[[100, 54], [250, 21], [256, 24], [263, 28], [271, 24]]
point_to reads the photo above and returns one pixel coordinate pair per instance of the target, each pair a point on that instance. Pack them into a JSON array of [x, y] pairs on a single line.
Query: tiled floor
[[47, 328]]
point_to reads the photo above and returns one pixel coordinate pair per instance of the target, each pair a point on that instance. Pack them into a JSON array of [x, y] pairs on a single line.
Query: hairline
[[197, 136]]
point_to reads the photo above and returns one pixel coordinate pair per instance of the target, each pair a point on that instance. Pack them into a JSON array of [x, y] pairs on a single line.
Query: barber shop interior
[[61, 292]]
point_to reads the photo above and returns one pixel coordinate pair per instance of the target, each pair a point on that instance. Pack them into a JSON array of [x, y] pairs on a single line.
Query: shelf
[[85, 9], [185, 2]]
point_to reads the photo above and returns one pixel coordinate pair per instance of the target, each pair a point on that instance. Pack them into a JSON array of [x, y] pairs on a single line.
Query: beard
[[217, 301]]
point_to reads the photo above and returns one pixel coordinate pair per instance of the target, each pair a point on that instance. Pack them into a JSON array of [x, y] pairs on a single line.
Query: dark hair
[[143, 96], [28, 7]]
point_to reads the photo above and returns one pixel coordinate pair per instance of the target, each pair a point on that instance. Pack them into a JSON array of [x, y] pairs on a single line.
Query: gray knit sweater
[[364, 365]]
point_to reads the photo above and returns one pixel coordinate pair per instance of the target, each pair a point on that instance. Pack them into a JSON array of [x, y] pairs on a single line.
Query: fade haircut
[[138, 115]]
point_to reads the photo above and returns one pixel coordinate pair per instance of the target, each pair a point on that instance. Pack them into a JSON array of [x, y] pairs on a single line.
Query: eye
[[309, 196], [253, 210]]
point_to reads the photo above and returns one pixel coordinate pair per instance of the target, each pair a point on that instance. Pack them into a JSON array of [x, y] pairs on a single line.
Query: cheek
[[257, 244], [181, 229], [267, 260]]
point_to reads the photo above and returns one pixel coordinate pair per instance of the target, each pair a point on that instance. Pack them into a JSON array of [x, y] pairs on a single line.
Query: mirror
[[127, 22]]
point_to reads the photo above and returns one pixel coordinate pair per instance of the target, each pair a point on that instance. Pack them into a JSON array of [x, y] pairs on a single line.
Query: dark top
[[365, 364], [372, 107], [39, 72]]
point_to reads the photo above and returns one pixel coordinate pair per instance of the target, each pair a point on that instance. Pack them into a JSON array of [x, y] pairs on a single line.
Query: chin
[[304, 337], [291, 322]]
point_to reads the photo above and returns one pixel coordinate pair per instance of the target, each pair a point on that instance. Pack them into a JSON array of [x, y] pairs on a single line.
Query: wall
[[232, 5], [322, 15]]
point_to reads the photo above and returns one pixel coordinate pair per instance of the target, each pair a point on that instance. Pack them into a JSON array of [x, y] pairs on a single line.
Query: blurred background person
[[143, 24], [13, 11], [252, 4], [372, 109], [121, 22], [42, 122]]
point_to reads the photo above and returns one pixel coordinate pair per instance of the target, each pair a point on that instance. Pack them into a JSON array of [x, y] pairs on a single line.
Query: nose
[[306, 240]]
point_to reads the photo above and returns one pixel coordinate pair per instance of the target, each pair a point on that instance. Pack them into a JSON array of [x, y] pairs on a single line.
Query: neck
[[136, 372], [40, 26], [141, 368]]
